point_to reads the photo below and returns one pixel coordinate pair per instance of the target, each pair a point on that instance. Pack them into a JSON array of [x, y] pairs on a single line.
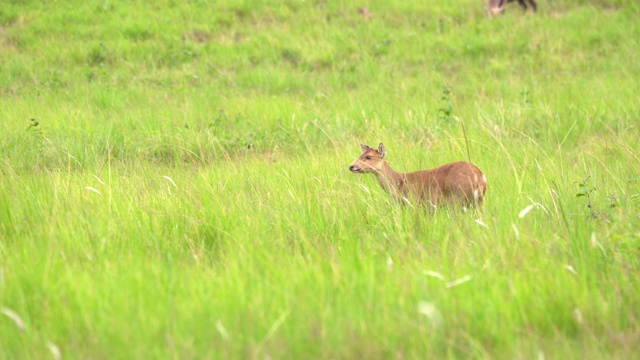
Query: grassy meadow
[[174, 182]]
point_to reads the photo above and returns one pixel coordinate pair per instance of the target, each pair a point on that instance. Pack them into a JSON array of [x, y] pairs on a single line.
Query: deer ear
[[382, 151], [364, 148]]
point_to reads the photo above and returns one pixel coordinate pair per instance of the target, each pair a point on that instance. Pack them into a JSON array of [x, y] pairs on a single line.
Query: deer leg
[[534, 5]]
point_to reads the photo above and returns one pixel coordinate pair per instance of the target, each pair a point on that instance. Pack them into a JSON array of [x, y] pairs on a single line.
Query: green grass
[[185, 192]]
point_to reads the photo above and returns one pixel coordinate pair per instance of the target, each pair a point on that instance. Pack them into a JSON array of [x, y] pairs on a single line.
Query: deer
[[496, 7], [456, 184]]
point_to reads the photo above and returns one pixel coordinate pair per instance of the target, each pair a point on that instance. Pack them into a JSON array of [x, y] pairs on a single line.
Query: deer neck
[[389, 179]]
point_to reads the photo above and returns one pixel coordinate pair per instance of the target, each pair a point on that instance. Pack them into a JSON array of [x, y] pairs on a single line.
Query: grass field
[[174, 182]]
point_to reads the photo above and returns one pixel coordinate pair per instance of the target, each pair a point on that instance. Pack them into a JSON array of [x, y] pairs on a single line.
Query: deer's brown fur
[[458, 183]]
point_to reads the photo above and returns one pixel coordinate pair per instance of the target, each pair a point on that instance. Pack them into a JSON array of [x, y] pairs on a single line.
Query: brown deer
[[496, 7], [457, 184]]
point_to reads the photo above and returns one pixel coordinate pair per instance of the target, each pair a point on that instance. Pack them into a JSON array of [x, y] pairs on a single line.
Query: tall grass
[[182, 190]]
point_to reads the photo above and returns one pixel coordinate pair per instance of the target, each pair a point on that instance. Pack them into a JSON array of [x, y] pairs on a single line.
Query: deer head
[[371, 160]]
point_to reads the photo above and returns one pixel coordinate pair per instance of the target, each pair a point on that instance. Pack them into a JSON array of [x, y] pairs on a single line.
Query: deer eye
[[368, 158]]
